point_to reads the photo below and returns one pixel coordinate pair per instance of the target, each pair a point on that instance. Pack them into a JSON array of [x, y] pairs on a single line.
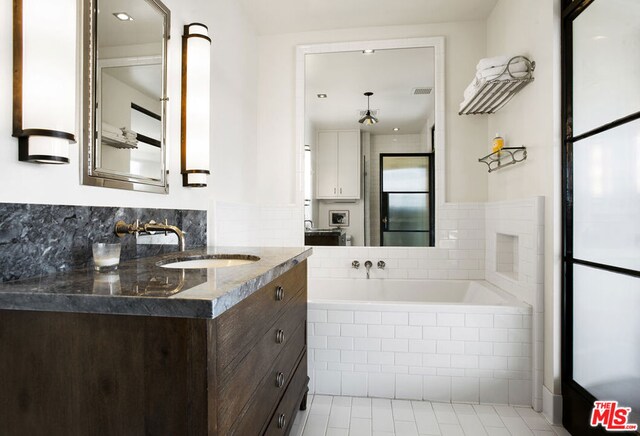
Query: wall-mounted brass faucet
[[121, 229]]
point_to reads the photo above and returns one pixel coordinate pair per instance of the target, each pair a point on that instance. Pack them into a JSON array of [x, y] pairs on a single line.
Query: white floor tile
[[405, 428], [346, 416]]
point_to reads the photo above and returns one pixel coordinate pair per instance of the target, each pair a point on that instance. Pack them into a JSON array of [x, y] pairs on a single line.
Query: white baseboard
[[551, 406]]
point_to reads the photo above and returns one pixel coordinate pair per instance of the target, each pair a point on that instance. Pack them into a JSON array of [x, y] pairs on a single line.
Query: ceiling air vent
[[423, 90], [374, 112]]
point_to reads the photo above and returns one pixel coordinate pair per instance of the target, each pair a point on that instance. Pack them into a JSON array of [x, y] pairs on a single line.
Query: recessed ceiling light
[[368, 51], [395, 129], [599, 37], [322, 95], [123, 16]]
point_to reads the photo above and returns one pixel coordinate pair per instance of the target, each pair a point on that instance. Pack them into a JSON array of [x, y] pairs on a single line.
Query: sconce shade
[[44, 85], [196, 55]]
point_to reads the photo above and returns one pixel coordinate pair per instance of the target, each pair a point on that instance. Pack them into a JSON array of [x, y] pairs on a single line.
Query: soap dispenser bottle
[[498, 143]]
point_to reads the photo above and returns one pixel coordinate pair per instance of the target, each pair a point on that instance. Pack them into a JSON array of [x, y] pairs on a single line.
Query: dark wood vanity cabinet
[[243, 373]]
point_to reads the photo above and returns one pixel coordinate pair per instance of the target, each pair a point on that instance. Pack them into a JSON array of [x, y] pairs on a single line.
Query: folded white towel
[[515, 67], [496, 61]]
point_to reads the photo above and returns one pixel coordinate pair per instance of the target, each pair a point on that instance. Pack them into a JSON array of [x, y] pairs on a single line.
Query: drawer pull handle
[[282, 421], [279, 293], [279, 336], [280, 380]]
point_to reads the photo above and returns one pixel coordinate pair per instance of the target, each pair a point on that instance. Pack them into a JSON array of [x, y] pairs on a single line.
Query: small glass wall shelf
[[504, 157]]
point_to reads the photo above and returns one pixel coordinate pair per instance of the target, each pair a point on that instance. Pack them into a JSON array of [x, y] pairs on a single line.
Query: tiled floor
[[346, 416]]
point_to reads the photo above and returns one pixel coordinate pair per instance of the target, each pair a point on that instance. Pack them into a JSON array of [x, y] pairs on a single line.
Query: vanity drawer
[[244, 324], [271, 388], [284, 415]]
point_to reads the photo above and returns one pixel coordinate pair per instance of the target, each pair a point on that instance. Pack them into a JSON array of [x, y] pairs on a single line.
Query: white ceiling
[[286, 16], [146, 27], [390, 74]]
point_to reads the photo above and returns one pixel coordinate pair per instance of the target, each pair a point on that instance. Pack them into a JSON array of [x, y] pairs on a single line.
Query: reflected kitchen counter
[[325, 237], [141, 287]]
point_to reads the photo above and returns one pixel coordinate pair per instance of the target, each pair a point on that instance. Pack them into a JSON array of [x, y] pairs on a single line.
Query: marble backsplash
[[37, 239]]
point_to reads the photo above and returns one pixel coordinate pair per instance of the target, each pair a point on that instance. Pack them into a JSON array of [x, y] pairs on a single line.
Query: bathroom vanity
[[152, 350]]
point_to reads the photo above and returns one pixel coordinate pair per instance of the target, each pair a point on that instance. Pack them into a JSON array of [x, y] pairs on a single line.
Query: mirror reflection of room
[[129, 89], [369, 155]]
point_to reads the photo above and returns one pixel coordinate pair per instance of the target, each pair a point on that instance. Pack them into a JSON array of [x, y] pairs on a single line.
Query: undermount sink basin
[[210, 261]]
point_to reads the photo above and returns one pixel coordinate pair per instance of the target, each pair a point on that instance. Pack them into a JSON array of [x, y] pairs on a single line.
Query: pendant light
[[368, 119]]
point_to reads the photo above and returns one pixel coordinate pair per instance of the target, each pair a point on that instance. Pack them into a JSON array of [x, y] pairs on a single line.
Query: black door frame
[[430, 192], [577, 402]]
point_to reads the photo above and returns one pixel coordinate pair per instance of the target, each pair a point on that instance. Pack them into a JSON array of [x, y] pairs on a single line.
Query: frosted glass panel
[[606, 65], [408, 212], [606, 344], [607, 197], [406, 239], [405, 173]]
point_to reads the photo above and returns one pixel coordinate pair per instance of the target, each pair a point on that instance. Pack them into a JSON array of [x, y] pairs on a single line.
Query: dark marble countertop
[[141, 287]]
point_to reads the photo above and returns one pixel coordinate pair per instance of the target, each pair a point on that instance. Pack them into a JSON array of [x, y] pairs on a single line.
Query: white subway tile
[[338, 366], [509, 349], [478, 320], [340, 316], [465, 389], [408, 359], [339, 343], [422, 346], [382, 385], [408, 332], [325, 329], [450, 319], [507, 321], [349, 356], [422, 370], [314, 315], [396, 369], [317, 341], [464, 361], [437, 388], [519, 335], [408, 387], [395, 345], [520, 392], [436, 360], [354, 384], [450, 347], [492, 335], [436, 333], [494, 391], [380, 357], [464, 333], [395, 318], [478, 348], [422, 319], [493, 362], [367, 344], [453, 372], [519, 363], [359, 367], [380, 331], [354, 330], [327, 382], [327, 355]]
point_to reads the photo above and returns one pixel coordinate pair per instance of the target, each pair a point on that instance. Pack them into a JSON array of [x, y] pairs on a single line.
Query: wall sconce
[[196, 52], [44, 80]]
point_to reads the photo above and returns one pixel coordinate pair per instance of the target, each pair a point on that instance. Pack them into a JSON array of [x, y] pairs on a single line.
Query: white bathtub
[[414, 292], [437, 340]]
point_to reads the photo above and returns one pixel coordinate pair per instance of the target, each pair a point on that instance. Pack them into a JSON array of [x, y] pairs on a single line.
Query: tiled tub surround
[[458, 352], [38, 239]]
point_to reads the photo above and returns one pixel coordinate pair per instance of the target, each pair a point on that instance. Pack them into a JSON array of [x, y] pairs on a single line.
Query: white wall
[[233, 121], [464, 44], [532, 119]]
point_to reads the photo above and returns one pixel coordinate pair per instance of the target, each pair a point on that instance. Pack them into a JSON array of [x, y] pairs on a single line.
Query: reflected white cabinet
[[338, 164]]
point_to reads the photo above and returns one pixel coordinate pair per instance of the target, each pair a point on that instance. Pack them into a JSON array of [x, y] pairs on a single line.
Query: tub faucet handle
[[381, 264], [355, 264]]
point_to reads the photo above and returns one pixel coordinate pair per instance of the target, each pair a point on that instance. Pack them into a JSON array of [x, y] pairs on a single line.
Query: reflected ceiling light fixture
[[196, 82], [123, 16], [395, 129], [44, 81], [368, 119], [368, 51], [322, 95]]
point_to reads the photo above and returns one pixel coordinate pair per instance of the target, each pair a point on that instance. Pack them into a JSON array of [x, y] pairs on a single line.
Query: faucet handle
[[381, 264], [368, 264], [355, 264]]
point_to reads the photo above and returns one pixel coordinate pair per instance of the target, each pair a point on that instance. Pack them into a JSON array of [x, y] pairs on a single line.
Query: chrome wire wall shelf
[[504, 157], [493, 94]]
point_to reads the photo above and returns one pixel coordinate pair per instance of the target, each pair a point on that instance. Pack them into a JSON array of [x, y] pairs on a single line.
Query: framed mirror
[[125, 94], [386, 173]]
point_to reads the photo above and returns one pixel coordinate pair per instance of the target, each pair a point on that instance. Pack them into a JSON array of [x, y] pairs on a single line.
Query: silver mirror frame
[[90, 175]]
